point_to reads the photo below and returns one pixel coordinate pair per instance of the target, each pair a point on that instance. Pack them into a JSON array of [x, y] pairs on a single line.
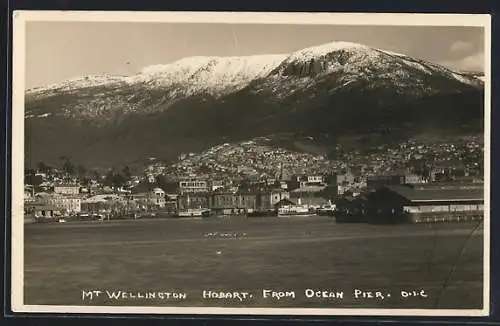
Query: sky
[[57, 51]]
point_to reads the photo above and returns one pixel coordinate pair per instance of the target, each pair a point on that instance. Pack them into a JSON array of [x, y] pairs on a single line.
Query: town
[[410, 181]]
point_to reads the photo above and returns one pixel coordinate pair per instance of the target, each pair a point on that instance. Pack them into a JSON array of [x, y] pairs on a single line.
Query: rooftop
[[433, 194]]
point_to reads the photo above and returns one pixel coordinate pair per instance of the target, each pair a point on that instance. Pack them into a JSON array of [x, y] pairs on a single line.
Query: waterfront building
[[193, 201], [408, 204]]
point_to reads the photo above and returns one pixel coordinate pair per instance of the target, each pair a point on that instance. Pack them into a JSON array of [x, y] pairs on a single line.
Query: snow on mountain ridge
[[320, 50], [80, 82], [218, 76]]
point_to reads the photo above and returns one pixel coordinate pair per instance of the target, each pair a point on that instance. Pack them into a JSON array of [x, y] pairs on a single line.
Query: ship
[[326, 210], [294, 210], [265, 213], [194, 212]]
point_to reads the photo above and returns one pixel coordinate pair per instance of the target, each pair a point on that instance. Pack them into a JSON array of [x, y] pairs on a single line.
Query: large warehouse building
[[403, 204]]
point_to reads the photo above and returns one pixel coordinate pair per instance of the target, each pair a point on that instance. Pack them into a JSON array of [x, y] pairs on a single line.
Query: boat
[[194, 212], [294, 210], [326, 210], [267, 213]]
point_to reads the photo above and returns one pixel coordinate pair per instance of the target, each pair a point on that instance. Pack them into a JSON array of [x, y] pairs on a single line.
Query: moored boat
[[194, 212], [266, 213], [294, 210]]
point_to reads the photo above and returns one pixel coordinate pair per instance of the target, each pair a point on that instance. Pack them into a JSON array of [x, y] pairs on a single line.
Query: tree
[[166, 185], [126, 172], [34, 180], [108, 180], [114, 180], [82, 172], [42, 167], [96, 175], [67, 166], [118, 180]]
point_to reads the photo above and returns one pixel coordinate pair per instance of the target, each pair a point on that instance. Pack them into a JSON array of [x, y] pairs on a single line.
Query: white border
[[21, 17]]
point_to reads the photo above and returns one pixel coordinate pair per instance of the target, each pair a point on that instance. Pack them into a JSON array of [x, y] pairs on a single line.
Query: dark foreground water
[[280, 262]]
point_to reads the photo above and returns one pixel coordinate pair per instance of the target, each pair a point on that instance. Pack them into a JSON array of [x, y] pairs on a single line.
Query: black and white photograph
[[251, 163]]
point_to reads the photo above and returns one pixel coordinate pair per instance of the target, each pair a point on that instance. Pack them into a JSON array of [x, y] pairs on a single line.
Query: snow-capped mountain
[[348, 63], [215, 76], [219, 76], [208, 75], [79, 83], [195, 102]]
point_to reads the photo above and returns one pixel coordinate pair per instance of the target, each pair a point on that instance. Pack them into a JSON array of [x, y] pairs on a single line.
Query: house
[[194, 186], [67, 189], [158, 196], [303, 182], [41, 175], [29, 192], [216, 184], [316, 179], [45, 186], [413, 178], [148, 197]]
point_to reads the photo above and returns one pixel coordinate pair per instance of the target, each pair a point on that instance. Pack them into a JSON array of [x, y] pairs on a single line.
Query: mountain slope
[[333, 89]]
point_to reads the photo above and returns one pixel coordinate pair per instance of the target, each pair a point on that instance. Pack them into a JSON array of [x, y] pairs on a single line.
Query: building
[[171, 202], [247, 201], [407, 204], [194, 186], [224, 202], [377, 181], [267, 199], [67, 189], [316, 179], [67, 205], [352, 209], [148, 197], [45, 211], [29, 193], [158, 196], [312, 202], [216, 184], [434, 205], [193, 201], [310, 190], [413, 178], [303, 182], [345, 178], [106, 203]]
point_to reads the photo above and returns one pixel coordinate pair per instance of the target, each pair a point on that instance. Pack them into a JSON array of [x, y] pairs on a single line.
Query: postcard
[[251, 163]]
